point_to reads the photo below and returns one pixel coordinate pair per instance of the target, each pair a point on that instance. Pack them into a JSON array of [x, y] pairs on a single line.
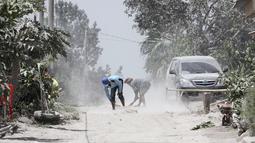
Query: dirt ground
[[165, 124]]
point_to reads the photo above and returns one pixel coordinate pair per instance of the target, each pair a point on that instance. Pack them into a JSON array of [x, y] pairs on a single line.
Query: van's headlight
[[220, 82], [185, 83]]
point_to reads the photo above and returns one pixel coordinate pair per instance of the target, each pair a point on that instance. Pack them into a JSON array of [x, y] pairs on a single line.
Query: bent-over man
[[140, 87], [111, 85]]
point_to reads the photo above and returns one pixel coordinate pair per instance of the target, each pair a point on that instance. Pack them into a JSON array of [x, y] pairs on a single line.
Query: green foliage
[[25, 41], [29, 95], [242, 76], [157, 15], [2, 71], [23, 44], [207, 124], [28, 42], [249, 110], [12, 10], [238, 83], [210, 27]]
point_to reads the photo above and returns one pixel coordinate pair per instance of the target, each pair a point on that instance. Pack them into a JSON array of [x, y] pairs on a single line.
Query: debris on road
[[68, 112], [7, 128], [208, 124], [51, 117], [25, 120]]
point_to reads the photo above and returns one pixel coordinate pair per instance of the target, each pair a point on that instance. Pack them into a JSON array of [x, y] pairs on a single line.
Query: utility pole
[[51, 13], [51, 6], [85, 44], [41, 14]]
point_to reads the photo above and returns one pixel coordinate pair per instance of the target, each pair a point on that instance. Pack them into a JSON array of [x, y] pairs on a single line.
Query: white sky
[[110, 17]]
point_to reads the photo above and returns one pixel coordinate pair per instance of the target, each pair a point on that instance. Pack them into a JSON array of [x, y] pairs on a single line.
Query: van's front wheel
[[184, 96]]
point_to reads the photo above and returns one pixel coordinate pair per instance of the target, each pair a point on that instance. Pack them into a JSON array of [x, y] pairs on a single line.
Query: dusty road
[[129, 125]]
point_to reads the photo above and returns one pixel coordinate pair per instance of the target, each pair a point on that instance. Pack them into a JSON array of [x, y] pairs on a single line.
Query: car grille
[[204, 83]]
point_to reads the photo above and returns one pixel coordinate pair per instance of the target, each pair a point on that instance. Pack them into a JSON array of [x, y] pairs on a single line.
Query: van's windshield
[[197, 67]]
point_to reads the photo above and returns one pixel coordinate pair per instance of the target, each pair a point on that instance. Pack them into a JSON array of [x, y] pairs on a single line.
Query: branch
[[210, 8]]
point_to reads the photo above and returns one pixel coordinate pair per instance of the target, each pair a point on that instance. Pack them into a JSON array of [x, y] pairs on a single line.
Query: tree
[[25, 42], [157, 15], [77, 74], [76, 22], [195, 27]]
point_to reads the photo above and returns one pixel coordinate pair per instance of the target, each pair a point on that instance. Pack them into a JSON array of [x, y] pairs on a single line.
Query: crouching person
[[140, 87], [111, 85]]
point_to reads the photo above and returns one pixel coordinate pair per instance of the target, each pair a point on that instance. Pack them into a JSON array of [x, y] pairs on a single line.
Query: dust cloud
[[156, 100], [160, 101], [82, 90], [80, 86]]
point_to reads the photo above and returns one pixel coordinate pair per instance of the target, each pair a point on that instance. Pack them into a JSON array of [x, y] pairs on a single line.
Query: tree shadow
[[32, 139]]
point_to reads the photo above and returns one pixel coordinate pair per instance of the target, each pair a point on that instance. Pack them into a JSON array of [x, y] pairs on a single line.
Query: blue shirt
[[114, 82]]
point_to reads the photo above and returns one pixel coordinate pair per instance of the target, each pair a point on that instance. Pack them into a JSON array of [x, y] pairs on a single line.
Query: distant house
[[248, 6]]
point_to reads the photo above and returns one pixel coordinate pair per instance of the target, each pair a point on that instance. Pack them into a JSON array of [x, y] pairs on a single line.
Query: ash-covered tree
[[156, 20], [23, 44], [23, 41], [79, 68], [157, 16], [195, 27], [74, 20]]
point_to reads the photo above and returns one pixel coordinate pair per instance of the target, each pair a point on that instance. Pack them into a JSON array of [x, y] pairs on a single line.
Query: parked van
[[194, 72]]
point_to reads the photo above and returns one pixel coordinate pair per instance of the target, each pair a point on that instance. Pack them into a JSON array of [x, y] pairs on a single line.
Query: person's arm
[[135, 98], [107, 92]]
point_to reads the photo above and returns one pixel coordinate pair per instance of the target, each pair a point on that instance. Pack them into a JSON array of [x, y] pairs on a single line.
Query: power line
[[129, 40], [120, 38]]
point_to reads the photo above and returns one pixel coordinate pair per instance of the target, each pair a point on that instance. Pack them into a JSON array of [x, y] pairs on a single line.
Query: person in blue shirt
[[111, 85]]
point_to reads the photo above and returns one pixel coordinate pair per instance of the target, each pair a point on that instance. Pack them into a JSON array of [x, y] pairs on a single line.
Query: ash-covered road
[[129, 125]]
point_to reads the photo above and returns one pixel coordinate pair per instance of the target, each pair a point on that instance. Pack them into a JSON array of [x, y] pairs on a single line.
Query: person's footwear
[[113, 105], [122, 100]]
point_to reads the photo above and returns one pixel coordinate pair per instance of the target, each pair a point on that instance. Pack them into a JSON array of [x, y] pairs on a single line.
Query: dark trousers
[[113, 94]]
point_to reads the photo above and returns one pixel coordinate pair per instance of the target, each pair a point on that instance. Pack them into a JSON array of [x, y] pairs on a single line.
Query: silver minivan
[[194, 72]]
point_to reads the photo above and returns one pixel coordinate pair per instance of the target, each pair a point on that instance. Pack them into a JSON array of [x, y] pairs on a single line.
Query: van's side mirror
[[172, 72], [225, 69]]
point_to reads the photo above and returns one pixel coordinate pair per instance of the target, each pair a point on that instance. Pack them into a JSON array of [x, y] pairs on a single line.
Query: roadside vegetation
[[26, 44], [33, 54], [198, 27]]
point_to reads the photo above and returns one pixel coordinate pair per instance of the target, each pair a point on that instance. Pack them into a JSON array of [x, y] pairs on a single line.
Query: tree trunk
[[51, 13], [41, 15], [15, 72]]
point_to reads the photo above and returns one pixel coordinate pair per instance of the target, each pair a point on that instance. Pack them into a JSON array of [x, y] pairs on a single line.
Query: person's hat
[[105, 81], [128, 80]]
